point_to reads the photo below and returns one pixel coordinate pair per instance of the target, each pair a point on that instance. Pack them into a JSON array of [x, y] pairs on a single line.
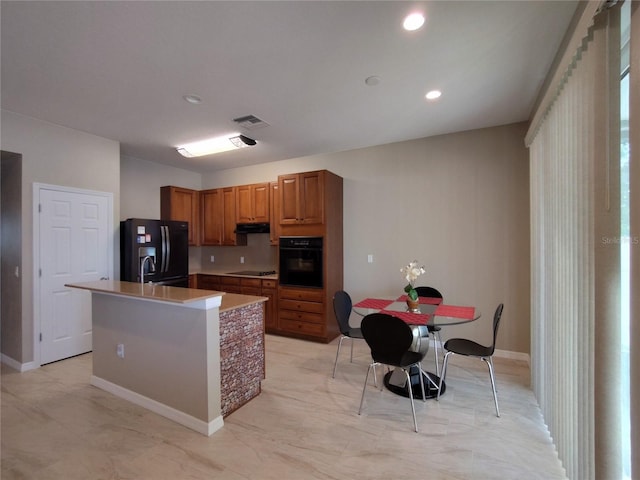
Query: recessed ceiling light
[[193, 99], [433, 94], [215, 145], [413, 21]]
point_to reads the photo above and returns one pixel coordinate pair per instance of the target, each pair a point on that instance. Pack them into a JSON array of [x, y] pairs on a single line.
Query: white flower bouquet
[[411, 272]]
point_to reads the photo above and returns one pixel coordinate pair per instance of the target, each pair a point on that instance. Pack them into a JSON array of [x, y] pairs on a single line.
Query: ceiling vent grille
[[250, 122]]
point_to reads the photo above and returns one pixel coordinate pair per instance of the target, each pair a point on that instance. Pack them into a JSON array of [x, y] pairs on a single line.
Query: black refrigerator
[[164, 242]]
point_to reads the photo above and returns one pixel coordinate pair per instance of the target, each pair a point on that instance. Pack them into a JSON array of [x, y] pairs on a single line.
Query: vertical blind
[[575, 210], [634, 214]]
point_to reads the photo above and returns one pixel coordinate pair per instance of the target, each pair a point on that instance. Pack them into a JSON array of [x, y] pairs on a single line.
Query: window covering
[[575, 269]]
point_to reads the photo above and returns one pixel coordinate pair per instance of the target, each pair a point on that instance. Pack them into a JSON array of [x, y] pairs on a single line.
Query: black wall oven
[[301, 261]]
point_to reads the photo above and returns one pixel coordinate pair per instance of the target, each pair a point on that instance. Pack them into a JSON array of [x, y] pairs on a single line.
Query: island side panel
[[241, 355], [171, 353]]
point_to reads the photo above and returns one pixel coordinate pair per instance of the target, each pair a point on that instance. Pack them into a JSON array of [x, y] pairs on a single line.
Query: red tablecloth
[[456, 312], [376, 303], [423, 300], [409, 317]]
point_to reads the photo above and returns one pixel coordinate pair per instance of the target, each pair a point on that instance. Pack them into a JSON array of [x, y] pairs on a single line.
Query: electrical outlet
[[213, 259], [120, 350], [370, 258], [241, 259]]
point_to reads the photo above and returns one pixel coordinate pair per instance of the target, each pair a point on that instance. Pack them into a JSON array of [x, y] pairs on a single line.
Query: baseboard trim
[[523, 357], [20, 367], [171, 413], [508, 354]]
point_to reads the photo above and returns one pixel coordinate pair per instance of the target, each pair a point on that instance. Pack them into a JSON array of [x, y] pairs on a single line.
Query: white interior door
[[74, 246]]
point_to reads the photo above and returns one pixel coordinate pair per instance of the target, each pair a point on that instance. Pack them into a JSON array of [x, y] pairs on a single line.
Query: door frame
[[37, 188]]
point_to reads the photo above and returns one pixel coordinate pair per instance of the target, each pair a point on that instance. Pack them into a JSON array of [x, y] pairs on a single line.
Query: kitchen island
[[191, 355]]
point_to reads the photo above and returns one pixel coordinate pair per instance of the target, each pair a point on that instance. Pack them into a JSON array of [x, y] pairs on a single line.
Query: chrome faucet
[[152, 267]]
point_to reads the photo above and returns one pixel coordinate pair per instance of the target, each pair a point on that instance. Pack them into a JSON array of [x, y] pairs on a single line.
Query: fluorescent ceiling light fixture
[[433, 94], [215, 145], [413, 21]]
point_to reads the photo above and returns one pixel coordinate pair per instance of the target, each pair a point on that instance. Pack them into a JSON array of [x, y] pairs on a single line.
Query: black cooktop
[[254, 273]]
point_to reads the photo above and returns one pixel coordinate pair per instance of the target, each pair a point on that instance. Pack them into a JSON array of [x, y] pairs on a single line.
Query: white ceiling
[[120, 69]]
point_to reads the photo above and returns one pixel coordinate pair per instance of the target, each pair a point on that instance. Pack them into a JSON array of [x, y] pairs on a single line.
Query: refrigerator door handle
[[168, 247], [163, 234]]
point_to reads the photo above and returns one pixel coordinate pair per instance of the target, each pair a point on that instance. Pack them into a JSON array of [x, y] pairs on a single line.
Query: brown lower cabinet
[[306, 313], [270, 290], [246, 286]]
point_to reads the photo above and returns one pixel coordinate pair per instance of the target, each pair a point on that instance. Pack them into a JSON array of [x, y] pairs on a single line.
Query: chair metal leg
[[444, 373], [489, 363], [342, 337], [421, 373], [413, 408], [375, 377], [437, 339], [366, 378], [351, 359], [431, 381]]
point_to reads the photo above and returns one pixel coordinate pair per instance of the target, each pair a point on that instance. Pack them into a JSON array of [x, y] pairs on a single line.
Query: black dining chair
[[430, 292], [342, 307], [469, 348], [390, 340]]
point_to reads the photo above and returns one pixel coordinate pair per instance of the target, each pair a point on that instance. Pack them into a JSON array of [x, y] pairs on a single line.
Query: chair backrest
[[388, 337], [496, 323], [342, 310], [429, 292]]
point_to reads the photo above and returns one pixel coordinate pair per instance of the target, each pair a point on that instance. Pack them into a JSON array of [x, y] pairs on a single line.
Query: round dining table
[[431, 313]]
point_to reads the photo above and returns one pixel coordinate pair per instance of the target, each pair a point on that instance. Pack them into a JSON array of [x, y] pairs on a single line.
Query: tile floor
[[304, 425]]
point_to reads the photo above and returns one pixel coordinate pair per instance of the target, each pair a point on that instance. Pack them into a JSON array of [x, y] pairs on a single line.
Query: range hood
[[252, 228]]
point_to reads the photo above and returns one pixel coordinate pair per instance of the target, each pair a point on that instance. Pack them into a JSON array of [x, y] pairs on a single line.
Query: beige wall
[[56, 155], [140, 183], [457, 203]]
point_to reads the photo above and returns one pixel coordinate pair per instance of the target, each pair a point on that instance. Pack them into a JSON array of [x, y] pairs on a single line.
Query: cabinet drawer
[[230, 280], [251, 282], [300, 316], [268, 284], [301, 327], [251, 291], [310, 295], [301, 306], [208, 282]]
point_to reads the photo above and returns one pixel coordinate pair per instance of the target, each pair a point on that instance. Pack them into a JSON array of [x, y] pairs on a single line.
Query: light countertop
[[147, 290], [165, 293], [227, 272], [231, 301]]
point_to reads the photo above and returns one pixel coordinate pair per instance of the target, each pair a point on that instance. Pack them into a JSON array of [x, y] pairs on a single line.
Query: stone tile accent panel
[[241, 355]]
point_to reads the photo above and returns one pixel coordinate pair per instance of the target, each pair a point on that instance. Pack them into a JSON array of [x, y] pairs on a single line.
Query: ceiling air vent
[[250, 122]]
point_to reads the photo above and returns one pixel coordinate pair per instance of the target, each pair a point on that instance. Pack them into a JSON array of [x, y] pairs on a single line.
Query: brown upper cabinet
[[229, 219], [252, 203], [302, 198], [177, 203], [274, 214], [211, 217]]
